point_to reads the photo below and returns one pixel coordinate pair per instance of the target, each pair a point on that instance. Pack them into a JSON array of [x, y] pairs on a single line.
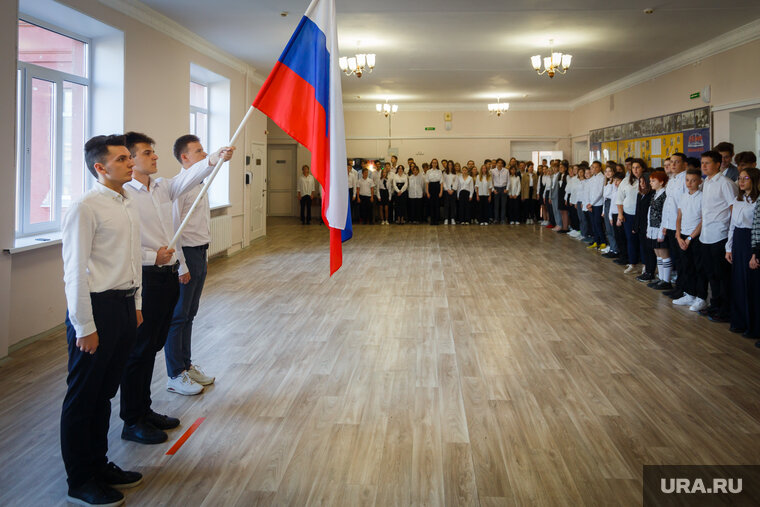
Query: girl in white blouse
[[384, 195], [400, 187], [449, 194], [513, 191], [416, 191], [484, 189], [465, 188], [745, 282]]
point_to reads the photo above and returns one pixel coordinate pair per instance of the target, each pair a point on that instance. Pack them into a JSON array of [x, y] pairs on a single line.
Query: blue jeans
[[500, 204], [177, 348], [632, 239]]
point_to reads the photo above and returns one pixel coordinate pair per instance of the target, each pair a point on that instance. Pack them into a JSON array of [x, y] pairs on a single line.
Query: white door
[[281, 180], [258, 190]]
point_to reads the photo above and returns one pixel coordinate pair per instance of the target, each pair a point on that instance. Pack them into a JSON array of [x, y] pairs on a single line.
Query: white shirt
[[449, 182], [352, 178], [365, 186], [572, 183], [154, 206], [416, 186], [465, 184], [582, 193], [197, 231], [718, 194], [514, 186], [691, 211], [484, 185], [306, 185], [626, 195], [403, 179], [499, 177], [434, 175], [546, 180], [101, 251], [611, 194], [675, 189], [384, 184], [741, 217], [595, 189]]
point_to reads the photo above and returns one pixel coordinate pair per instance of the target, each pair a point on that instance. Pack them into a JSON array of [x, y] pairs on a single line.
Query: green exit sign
[[429, 128], [694, 95]]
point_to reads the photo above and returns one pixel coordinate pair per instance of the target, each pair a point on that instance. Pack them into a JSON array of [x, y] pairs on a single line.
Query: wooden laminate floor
[[500, 365]]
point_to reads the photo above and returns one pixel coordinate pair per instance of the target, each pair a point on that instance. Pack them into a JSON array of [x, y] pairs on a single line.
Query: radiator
[[221, 234]]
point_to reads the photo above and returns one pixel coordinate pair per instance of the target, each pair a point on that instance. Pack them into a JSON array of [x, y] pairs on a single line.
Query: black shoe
[[610, 255], [646, 277], [93, 492], [162, 422], [674, 294], [115, 477], [622, 261], [708, 311], [143, 433], [653, 283], [718, 318], [747, 334], [662, 285]]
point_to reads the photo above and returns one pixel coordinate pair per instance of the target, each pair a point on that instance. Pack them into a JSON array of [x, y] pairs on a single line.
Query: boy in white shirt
[[306, 190], [688, 227]]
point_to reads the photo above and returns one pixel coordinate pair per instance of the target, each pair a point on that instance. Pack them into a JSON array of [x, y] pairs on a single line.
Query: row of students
[[128, 296], [712, 222]]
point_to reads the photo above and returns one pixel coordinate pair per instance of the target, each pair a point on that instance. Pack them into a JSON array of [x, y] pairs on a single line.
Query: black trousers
[[365, 208], [160, 292], [675, 254], [354, 206], [306, 209], [694, 282], [434, 188], [483, 208], [464, 206], [514, 209], [575, 223], [92, 381], [415, 209], [620, 238], [550, 212], [745, 285], [400, 203], [449, 206], [718, 273], [647, 254]]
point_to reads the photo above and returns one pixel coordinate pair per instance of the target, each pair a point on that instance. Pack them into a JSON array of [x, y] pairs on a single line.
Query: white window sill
[[35, 242], [215, 207]]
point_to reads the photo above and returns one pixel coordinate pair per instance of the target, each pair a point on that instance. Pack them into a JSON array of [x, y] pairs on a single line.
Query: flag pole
[[210, 179]]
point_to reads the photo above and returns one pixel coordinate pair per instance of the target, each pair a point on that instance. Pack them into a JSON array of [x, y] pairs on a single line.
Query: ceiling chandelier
[[386, 109], [557, 62], [498, 108], [358, 64]]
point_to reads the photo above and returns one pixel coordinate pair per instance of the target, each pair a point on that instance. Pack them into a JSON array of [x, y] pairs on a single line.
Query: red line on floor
[[185, 436]]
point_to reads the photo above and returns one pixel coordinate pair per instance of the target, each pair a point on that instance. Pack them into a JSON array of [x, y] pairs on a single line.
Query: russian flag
[[303, 96]]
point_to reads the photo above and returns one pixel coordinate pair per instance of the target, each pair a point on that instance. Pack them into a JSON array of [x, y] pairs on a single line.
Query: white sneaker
[[183, 384], [604, 250], [686, 300], [643, 269], [446, 222], [630, 268], [199, 376], [699, 304], [453, 222]]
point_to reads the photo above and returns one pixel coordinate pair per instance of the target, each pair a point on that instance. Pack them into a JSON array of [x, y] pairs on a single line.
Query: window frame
[[194, 110], [26, 73]]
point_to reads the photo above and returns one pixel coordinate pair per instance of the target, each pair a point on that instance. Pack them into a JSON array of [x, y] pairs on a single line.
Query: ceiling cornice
[[461, 106], [729, 40], [167, 26]]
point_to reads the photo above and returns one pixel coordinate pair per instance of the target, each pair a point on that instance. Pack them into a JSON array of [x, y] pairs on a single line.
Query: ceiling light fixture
[[358, 64], [386, 109], [557, 62], [498, 108]]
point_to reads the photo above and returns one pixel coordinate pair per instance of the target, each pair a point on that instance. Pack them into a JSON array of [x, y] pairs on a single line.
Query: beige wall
[[156, 101], [474, 134], [730, 78]]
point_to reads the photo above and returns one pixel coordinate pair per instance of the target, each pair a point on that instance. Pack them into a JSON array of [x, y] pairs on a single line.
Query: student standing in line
[[570, 190], [434, 191], [513, 194], [753, 287], [621, 255], [465, 188], [161, 267], [718, 195], [374, 173], [609, 193], [416, 190], [384, 195], [424, 215], [627, 197], [500, 178], [306, 190], [655, 235], [102, 276], [595, 188], [675, 189], [449, 195], [564, 223], [579, 196], [727, 168], [473, 171], [688, 227], [484, 191], [528, 186], [400, 189], [554, 196], [365, 187], [185, 376], [739, 253], [643, 203], [352, 197]]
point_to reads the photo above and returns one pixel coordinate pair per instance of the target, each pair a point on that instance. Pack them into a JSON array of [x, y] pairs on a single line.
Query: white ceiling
[[461, 51]]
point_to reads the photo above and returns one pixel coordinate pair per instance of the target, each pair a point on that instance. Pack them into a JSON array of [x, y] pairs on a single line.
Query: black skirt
[[384, 197]]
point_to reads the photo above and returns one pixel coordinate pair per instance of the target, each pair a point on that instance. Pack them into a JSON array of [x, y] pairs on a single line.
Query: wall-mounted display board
[[653, 139]]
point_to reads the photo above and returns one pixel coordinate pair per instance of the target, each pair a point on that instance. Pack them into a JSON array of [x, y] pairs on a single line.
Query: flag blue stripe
[[348, 231], [306, 54]]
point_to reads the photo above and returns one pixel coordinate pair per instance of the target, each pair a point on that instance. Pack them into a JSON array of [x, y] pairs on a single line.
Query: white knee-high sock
[[659, 268], [667, 264]]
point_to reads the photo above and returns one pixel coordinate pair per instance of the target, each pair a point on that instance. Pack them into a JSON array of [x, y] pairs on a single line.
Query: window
[[199, 112], [52, 114]]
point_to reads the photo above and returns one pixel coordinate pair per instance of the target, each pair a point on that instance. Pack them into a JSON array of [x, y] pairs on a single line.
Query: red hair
[[660, 176]]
